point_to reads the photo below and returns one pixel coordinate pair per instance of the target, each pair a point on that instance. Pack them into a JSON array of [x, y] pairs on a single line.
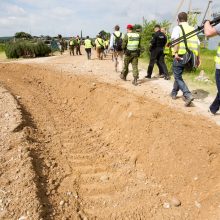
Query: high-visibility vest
[[71, 43], [88, 43], [99, 42], [106, 43], [166, 50], [217, 58], [192, 42], [133, 41]]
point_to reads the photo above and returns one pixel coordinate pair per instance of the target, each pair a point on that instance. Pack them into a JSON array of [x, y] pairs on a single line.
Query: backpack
[[118, 43]]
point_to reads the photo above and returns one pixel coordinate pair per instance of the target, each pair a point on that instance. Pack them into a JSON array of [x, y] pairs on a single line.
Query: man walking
[[71, 46], [179, 51], [116, 45], [209, 32], [88, 47], [78, 44], [100, 46], [158, 43], [131, 46]]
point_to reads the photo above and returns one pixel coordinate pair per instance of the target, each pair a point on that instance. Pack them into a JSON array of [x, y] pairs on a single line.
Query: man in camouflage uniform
[[131, 46], [71, 46], [78, 44]]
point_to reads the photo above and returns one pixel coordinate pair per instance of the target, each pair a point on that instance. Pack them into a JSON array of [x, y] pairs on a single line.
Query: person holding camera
[[209, 32]]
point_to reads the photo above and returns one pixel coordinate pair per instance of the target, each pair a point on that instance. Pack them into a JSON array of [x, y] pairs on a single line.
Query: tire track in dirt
[[106, 157]]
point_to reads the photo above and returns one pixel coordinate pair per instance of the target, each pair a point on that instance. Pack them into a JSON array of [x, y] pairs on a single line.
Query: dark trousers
[[157, 56], [71, 48], [78, 52], [179, 83], [89, 52], [216, 103]]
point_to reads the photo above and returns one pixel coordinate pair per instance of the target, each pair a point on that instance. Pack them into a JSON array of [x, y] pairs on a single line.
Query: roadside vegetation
[[207, 59], [2, 51]]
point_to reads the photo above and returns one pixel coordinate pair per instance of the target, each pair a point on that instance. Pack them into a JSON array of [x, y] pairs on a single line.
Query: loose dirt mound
[[18, 192], [103, 153]]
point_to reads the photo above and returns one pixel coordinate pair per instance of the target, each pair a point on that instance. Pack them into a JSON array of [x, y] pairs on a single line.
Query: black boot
[[134, 82], [123, 77]]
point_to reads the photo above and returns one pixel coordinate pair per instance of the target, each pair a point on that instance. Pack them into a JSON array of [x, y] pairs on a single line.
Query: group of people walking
[[126, 50]]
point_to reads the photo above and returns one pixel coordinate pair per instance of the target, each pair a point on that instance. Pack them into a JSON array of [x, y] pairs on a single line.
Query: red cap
[[129, 26]]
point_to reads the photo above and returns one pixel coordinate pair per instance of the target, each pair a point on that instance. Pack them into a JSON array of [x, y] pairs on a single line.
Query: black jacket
[[158, 40]]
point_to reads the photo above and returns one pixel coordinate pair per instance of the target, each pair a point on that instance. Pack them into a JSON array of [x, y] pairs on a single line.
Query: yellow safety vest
[[166, 50], [133, 41], [106, 42], [88, 44], [217, 58], [99, 42], [192, 42], [71, 43]]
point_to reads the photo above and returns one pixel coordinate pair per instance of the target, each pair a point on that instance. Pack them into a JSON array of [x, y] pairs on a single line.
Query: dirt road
[[101, 151]]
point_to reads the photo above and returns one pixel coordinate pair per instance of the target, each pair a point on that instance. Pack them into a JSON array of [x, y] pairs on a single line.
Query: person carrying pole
[[179, 50]]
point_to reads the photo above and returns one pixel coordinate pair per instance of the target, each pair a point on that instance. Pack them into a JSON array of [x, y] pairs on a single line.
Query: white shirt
[[112, 38], [177, 32], [217, 27]]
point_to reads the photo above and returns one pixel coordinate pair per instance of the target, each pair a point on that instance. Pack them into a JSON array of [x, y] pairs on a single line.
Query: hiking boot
[[161, 76], [134, 82], [123, 77], [173, 96], [148, 77], [210, 112], [167, 77], [188, 101]]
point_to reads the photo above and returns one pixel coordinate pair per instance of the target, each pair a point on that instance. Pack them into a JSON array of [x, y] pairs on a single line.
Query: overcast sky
[[68, 17]]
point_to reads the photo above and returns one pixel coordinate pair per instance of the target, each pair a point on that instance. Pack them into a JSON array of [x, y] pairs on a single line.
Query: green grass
[[207, 65], [2, 51], [2, 55]]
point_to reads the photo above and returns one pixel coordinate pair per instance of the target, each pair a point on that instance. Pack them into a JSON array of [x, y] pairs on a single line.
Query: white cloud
[[69, 17], [14, 10]]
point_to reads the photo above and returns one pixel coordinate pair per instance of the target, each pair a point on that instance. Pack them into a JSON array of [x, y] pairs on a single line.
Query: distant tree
[[137, 27], [147, 32], [22, 35]]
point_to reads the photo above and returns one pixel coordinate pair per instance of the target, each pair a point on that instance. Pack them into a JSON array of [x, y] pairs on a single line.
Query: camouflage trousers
[[133, 59]]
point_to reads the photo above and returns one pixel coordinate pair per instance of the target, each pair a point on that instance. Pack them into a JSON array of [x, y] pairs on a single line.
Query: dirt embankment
[[102, 152], [18, 180]]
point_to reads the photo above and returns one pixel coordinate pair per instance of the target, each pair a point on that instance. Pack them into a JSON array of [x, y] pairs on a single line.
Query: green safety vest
[[133, 41], [88, 44], [217, 58], [191, 42]]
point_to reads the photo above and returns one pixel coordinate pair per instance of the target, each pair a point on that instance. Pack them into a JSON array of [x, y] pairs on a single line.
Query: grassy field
[[2, 51], [207, 65]]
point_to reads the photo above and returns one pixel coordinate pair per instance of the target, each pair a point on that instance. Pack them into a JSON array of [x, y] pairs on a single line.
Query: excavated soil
[[99, 151]]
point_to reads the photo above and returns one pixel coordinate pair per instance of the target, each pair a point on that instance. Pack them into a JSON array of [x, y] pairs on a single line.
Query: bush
[[26, 49]]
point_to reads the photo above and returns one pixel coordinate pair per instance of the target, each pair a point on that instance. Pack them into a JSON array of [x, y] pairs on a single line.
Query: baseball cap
[[129, 26]]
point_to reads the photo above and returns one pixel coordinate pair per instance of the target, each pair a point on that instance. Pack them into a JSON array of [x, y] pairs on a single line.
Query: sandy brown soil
[[101, 151]]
